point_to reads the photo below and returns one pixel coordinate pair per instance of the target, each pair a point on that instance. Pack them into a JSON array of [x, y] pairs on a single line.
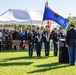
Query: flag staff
[[48, 21], [46, 4]]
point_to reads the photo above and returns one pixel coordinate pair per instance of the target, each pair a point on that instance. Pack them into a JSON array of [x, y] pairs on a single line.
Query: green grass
[[18, 63]]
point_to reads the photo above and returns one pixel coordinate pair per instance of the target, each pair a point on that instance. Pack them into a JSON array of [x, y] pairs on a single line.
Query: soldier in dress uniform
[[38, 42], [55, 41], [71, 42], [46, 38], [30, 37]]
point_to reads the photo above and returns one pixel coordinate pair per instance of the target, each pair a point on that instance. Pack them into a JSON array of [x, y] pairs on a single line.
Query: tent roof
[[16, 16]]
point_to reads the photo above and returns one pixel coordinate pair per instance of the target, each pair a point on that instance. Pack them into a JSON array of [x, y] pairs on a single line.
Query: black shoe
[[72, 64]]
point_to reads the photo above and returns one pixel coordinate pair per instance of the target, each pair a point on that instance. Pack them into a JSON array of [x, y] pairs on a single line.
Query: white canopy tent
[[17, 16]]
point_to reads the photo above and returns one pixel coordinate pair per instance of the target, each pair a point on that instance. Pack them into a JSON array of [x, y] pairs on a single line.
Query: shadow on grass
[[11, 50], [16, 64], [4, 51], [24, 57], [47, 67]]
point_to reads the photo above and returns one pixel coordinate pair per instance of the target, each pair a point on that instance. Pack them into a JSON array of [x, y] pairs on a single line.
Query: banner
[[51, 15], [49, 26]]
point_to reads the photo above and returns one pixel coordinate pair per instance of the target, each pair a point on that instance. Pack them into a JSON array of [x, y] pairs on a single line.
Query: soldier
[[30, 37], [55, 41], [38, 42], [46, 39], [71, 42]]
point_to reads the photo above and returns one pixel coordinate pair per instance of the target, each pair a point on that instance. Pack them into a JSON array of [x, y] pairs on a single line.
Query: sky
[[63, 7]]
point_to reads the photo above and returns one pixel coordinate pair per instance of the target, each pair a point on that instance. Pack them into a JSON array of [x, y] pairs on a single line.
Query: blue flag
[[51, 15]]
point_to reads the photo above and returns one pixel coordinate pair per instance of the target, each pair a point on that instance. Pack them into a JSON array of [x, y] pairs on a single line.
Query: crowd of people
[[30, 39], [35, 39]]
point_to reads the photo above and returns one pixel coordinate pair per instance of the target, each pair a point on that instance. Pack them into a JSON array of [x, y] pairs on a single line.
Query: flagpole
[[44, 9], [48, 21], [46, 0]]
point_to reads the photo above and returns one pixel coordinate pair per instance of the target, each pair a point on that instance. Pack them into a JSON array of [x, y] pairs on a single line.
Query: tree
[[72, 20]]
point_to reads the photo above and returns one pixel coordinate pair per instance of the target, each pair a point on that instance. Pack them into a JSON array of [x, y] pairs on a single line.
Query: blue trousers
[[30, 49], [47, 48], [55, 49], [38, 48], [72, 54]]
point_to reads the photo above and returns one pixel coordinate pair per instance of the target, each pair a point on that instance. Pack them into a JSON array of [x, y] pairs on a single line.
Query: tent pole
[[31, 24]]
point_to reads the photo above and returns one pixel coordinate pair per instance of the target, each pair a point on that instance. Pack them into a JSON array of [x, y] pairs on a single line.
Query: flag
[[48, 22], [49, 26], [51, 15]]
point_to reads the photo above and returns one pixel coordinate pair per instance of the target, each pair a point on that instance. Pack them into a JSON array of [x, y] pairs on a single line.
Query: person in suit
[[30, 38], [38, 41], [46, 39], [71, 42], [55, 41]]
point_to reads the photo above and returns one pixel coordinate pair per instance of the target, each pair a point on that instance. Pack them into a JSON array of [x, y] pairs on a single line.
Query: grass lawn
[[18, 63]]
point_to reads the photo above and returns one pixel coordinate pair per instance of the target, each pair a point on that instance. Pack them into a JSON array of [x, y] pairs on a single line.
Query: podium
[[63, 52]]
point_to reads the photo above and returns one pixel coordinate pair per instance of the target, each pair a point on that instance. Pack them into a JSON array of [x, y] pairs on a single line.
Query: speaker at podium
[[63, 52]]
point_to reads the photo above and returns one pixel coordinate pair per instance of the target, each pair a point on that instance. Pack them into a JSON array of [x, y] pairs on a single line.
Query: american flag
[[48, 22]]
